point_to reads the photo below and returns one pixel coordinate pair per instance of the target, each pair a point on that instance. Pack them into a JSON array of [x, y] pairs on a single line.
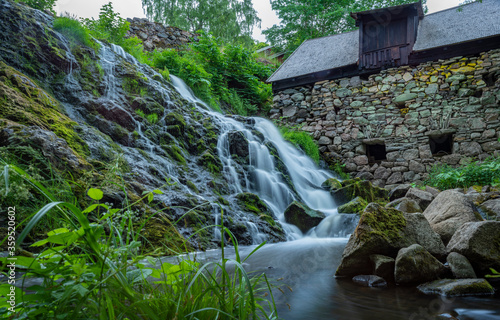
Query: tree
[[227, 19], [308, 19]]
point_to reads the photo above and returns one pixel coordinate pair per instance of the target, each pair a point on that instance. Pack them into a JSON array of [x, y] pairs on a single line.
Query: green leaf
[[157, 191], [95, 194], [150, 197]]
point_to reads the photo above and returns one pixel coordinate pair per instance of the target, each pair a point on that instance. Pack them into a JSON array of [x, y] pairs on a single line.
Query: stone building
[[401, 94]]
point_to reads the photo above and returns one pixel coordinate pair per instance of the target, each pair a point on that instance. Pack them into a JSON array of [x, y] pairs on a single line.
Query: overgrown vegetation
[[93, 268], [40, 4], [301, 140], [479, 173]]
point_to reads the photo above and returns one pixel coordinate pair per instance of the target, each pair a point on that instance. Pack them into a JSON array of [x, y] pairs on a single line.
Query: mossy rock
[[26, 103], [383, 222], [457, 287], [192, 186], [147, 105], [175, 153], [161, 235], [176, 119], [332, 184], [252, 203], [210, 162], [356, 205], [353, 188], [302, 216]]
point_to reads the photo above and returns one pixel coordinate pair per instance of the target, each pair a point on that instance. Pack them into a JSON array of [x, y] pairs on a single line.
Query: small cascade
[[262, 177]]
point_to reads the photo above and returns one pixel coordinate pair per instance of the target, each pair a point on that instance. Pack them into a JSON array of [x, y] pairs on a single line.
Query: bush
[[40, 4], [74, 31], [302, 140], [476, 173]]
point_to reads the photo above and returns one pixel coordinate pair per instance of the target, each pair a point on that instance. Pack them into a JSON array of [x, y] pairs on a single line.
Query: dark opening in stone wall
[[441, 144], [376, 152]]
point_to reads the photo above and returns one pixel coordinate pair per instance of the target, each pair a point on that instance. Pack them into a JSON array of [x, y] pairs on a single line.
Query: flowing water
[[305, 263]]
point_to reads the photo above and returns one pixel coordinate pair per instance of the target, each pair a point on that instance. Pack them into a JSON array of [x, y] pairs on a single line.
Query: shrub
[[476, 173], [302, 140], [74, 31], [40, 4]]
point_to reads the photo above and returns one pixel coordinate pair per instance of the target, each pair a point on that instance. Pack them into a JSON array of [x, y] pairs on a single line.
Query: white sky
[[133, 8]]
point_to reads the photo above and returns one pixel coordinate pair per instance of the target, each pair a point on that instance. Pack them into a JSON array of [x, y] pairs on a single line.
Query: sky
[[133, 8]]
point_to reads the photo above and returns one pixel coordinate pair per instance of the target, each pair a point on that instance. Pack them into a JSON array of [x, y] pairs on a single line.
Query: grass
[[303, 141], [95, 270], [73, 30], [477, 173]]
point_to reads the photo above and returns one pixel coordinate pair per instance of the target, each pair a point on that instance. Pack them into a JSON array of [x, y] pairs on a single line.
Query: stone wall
[[156, 35], [437, 112]]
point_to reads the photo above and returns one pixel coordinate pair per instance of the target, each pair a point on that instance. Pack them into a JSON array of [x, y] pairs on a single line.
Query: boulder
[[353, 188], [399, 191], [459, 287], [405, 205], [479, 242], [302, 216], [416, 265], [383, 266], [460, 266], [356, 205], [491, 208], [418, 230], [448, 212], [332, 184], [422, 197], [384, 231], [369, 281], [238, 144]]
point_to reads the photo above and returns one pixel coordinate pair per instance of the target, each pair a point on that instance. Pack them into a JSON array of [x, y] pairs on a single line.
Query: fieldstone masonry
[[155, 35], [394, 126]]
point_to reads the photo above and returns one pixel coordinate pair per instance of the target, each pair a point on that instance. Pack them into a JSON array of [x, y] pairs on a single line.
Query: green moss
[[221, 200], [302, 140], [161, 235], [252, 203], [353, 188], [28, 104], [192, 186], [357, 205], [210, 162], [332, 184], [384, 222], [175, 118], [175, 153]]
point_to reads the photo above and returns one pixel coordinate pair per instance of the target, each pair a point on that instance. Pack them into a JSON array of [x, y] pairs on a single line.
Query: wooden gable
[[387, 36]]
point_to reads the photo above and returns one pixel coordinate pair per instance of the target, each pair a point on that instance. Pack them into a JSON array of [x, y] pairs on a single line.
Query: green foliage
[[302, 140], [74, 31], [218, 74], [40, 4], [494, 274], [302, 19], [338, 168], [152, 118], [227, 19], [478, 173], [89, 273]]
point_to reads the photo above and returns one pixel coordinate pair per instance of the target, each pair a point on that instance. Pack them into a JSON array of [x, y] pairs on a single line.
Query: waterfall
[[275, 170]]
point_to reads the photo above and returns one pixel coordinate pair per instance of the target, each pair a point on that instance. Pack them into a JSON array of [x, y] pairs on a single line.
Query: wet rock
[[399, 192], [479, 242], [356, 205], [383, 266], [302, 216], [448, 212], [423, 198], [332, 184], [384, 231], [457, 288], [491, 208], [369, 281], [405, 205], [353, 188], [460, 266], [238, 144], [416, 265]]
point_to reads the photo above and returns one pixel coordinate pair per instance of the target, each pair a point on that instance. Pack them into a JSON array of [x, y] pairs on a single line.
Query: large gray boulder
[[423, 198], [383, 266], [384, 231], [302, 216], [399, 191], [405, 205], [460, 266], [416, 265], [450, 210], [459, 287], [479, 242]]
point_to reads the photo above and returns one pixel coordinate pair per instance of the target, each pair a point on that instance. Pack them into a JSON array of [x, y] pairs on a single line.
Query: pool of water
[[306, 270]]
